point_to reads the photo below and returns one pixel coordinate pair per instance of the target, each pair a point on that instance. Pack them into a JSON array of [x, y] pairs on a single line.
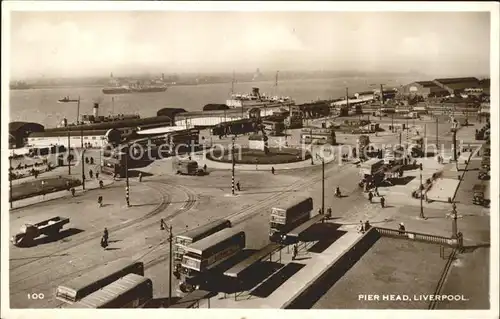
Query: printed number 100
[[35, 296]]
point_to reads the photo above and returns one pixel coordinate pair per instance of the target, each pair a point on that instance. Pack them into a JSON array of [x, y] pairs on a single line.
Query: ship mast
[[232, 85], [276, 84]]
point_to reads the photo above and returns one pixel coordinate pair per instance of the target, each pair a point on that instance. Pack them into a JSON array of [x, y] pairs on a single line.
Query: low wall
[[320, 286], [428, 238]]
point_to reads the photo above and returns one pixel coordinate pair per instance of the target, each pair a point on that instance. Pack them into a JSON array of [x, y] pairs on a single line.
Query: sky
[[73, 44]]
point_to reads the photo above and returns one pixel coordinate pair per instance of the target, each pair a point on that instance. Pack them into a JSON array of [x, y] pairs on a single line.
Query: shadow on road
[[276, 280], [61, 235]]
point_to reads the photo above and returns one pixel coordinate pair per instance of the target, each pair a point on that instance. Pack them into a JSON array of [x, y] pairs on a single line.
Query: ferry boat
[[255, 99]]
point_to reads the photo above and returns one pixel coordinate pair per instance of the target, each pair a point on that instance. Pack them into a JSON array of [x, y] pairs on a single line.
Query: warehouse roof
[[456, 80], [427, 84]]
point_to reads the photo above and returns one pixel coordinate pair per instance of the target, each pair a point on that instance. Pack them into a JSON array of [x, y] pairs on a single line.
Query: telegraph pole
[[323, 186], [69, 153], [127, 187], [233, 164], [421, 195], [170, 239], [454, 227], [10, 180], [83, 170], [437, 134]]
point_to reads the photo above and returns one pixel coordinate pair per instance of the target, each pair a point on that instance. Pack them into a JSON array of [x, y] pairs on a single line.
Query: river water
[[41, 106]]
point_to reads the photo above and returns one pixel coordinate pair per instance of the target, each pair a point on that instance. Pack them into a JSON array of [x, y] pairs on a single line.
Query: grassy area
[[35, 188], [252, 156]]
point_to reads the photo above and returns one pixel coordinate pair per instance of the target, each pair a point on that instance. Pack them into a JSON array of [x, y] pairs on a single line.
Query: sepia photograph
[[250, 155]]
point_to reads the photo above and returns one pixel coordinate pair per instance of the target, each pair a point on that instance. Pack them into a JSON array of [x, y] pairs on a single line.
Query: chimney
[[255, 91], [96, 110]]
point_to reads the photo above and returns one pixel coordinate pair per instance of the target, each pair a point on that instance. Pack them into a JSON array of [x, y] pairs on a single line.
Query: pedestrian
[[272, 170], [370, 196], [402, 229], [91, 174], [376, 191], [205, 168], [295, 251], [97, 175], [238, 186], [92, 160], [361, 227], [140, 177], [86, 160], [68, 186], [382, 201], [328, 213], [99, 201], [101, 184], [73, 191], [367, 225], [105, 234]]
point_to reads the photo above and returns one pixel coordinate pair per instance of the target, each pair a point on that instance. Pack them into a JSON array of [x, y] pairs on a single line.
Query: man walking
[[91, 173], [295, 251], [104, 239], [370, 196], [382, 201], [238, 186], [99, 201], [272, 170]]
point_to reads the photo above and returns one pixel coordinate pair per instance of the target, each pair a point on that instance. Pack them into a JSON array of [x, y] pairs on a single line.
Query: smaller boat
[[66, 99]]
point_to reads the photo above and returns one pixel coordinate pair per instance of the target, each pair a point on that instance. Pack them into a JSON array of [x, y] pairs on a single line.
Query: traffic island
[[259, 157]]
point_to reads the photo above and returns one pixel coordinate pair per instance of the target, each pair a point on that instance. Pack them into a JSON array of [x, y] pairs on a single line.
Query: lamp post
[[83, 169], [69, 153], [454, 216], [233, 164], [10, 180], [127, 187], [168, 228], [421, 195], [437, 134], [322, 183]]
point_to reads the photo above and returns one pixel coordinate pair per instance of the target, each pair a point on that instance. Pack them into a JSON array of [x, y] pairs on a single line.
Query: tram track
[[166, 201], [189, 203]]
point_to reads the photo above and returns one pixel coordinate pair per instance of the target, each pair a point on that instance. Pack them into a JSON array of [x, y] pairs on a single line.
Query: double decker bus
[[79, 287], [204, 255], [196, 234], [287, 217], [131, 291]]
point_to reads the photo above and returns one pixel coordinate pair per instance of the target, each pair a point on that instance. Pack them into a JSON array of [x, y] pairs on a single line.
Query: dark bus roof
[[293, 202], [212, 240], [98, 273], [111, 291], [198, 231]]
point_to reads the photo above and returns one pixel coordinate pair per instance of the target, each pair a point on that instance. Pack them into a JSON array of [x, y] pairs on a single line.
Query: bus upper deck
[[131, 291], [81, 286], [196, 234]]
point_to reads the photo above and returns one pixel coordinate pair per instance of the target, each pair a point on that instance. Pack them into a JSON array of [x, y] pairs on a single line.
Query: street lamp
[[454, 216], [233, 164], [168, 228], [83, 169], [10, 180], [421, 195], [127, 187], [322, 183]]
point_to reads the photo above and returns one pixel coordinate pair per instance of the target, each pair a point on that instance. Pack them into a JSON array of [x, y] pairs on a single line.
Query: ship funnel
[[96, 110], [255, 91]]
